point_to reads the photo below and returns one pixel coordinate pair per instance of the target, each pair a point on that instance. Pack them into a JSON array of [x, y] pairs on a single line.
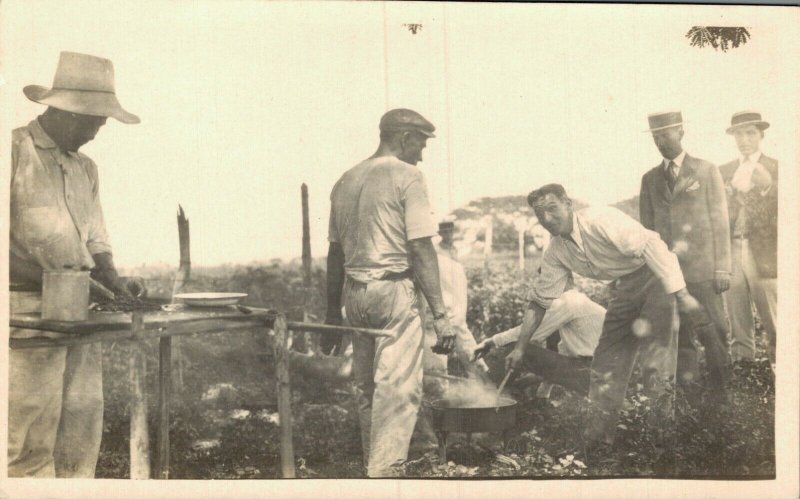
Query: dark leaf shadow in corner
[[718, 37]]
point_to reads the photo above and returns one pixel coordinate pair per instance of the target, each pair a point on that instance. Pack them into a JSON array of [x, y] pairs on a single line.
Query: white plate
[[210, 299]]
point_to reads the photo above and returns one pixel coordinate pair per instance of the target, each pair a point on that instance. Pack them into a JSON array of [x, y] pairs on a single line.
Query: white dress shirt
[[678, 162], [610, 244]]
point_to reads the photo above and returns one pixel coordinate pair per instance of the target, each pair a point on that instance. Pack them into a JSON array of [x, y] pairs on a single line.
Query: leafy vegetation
[[224, 420]]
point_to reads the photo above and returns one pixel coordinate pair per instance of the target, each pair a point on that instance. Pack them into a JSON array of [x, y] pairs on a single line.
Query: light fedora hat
[[84, 84], [663, 120], [744, 118]]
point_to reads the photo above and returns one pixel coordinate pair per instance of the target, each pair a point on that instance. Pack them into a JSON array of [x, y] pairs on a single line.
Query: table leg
[[281, 347], [164, 399], [139, 440]]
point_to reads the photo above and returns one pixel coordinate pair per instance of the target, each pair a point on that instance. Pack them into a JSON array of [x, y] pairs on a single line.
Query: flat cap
[[446, 225], [402, 120]]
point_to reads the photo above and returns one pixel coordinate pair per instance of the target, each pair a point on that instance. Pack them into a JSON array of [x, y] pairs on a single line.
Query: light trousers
[[387, 370], [55, 407], [746, 288]]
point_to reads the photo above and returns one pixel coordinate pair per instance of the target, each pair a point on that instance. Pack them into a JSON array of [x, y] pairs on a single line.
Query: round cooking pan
[[455, 416]]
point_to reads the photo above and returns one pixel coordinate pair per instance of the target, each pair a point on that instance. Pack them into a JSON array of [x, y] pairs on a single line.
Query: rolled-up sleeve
[[418, 215], [97, 238], [551, 281], [632, 239], [664, 265]]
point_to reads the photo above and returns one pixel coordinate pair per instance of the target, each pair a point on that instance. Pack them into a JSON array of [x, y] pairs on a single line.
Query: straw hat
[[744, 118], [661, 121], [83, 84]]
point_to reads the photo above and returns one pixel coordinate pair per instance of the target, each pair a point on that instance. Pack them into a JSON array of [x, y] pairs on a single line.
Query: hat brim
[[81, 102], [419, 130], [663, 127], [760, 124]]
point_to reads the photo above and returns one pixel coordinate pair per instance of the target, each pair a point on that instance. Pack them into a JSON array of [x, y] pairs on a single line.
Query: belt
[[398, 276]]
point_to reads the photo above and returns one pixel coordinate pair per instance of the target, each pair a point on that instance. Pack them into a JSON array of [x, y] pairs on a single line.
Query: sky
[[242, 102]]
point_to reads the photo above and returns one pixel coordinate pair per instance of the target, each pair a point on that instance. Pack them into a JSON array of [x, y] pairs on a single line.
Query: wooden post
[[487, 243], [306, 239], [181, 278], [139, 440], [281, 349], [300, 343], [164, 395]]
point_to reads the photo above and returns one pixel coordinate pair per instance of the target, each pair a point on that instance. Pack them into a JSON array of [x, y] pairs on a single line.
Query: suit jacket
[[761, 213], [692, 220]]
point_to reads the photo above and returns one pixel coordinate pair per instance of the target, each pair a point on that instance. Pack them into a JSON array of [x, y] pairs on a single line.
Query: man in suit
[[751, 183], [683, 199]]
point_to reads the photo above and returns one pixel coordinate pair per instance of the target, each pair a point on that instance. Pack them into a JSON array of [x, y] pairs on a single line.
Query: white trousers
[[746, 288]]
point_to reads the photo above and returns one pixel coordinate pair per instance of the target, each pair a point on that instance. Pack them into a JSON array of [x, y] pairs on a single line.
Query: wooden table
[[138, 326]]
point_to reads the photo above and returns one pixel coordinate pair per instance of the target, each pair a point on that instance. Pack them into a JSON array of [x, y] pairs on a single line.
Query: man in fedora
[[683, 199], [380, 255], [55, 397], [751, 183]]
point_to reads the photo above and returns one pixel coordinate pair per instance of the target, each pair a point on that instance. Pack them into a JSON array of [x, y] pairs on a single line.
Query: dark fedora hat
[[661, 121], [744, 118]]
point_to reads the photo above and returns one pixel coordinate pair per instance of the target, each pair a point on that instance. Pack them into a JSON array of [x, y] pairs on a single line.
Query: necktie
[[672, 175]]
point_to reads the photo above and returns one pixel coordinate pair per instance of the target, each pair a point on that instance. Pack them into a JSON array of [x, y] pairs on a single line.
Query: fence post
[[139, 439], [487, 242], [301, 338], [281, 349], [164, 399]]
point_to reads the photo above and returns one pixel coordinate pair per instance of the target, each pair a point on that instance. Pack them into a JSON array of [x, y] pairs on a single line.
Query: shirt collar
[[753, 157], [42, 140], [678, 160], [576, 231]]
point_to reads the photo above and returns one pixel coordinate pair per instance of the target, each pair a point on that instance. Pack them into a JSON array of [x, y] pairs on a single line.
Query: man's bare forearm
[[530, 323], [425, 266], [335, 275]]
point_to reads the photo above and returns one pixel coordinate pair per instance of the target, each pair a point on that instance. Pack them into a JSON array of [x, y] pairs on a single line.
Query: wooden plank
[[164, 399], [199, 326], [120, 321], [139, 439], [107, 322], [325, 328], [281, 349]]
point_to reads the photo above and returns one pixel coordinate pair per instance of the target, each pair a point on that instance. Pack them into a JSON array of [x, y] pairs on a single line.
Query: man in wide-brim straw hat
[[55, 398], [751, 183]]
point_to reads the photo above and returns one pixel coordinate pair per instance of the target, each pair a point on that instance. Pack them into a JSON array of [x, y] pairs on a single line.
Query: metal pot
[[470, 419], [446, 418]]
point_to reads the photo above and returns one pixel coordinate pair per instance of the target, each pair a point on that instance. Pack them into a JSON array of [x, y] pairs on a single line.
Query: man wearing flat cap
[[683, 199], [55, 398], [380, 255], [751, 183]]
